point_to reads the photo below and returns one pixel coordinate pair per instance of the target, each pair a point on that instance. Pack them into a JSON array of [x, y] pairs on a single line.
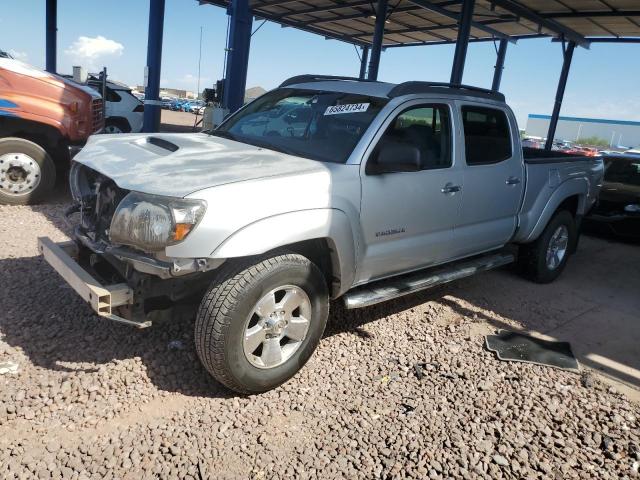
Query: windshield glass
[[319, 125], [623, 171]]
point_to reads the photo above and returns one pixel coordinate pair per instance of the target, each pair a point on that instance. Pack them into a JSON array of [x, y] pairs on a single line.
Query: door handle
[[451, 188], [512, 181]]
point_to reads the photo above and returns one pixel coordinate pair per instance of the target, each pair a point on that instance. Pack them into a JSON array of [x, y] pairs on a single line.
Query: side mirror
[[393, 157]]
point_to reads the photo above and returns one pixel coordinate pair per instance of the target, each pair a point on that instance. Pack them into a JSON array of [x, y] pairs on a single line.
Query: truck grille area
[[100, 198], [97, 115]]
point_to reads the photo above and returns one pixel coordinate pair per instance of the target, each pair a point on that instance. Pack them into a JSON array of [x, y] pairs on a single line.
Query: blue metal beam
[[497, 74], [152, 104], [562, 83], [51, 35], [239, 43], [363, 63], [378, 38], [464, 29]]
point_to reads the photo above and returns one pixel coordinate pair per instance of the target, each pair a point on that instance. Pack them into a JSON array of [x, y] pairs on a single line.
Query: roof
[[388, 90], [588, 120], [419, 22]]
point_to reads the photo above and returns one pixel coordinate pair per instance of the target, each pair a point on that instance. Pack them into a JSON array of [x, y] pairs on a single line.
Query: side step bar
[[391, 288]]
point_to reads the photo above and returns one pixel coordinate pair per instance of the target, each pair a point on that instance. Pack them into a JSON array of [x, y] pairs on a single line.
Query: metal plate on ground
[[518, 347]]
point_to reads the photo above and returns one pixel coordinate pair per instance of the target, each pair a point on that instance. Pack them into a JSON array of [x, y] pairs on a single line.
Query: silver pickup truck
[[322, 188]]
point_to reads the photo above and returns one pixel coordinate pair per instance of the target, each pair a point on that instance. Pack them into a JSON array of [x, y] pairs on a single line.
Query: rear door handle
[[512, 181], [451, 188]]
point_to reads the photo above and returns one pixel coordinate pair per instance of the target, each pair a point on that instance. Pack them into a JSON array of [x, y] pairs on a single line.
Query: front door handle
[[450, 188], [512, 181]]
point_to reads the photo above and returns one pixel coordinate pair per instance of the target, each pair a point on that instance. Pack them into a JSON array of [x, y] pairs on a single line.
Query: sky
[[604, 81]]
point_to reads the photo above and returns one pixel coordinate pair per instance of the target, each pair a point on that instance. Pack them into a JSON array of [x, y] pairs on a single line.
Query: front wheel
[[259, 323], [544, 260], [27, 172]]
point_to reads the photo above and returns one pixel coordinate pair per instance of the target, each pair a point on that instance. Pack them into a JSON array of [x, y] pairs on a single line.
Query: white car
[[124, 112]]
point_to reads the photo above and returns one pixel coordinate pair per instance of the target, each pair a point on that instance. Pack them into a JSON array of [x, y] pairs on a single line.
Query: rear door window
[[487, 136]]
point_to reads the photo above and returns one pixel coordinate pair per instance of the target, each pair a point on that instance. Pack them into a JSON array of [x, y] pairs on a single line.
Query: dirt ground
[[92, 399], [179, 122]]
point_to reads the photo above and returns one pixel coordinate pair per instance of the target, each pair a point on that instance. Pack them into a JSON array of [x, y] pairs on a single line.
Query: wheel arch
[[45, 136], [568, 196], [322, 235], [122, 122]]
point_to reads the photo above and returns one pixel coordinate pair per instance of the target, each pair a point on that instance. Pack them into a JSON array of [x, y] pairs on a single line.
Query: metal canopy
[[420, 22]]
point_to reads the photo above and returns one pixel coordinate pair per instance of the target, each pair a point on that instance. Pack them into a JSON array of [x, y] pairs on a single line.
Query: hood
[[21, 68], [183, 163]]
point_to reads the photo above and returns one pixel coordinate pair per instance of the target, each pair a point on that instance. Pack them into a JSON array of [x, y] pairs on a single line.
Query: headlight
[[632, 208], [152, 222]]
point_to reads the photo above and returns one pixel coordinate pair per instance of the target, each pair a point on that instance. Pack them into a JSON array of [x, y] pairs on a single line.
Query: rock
[[8, 367], [607, 443], [485, 385], [500, 460]]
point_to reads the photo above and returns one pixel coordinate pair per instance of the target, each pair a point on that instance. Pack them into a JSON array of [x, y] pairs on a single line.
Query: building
[[613, 132], [171, 92]]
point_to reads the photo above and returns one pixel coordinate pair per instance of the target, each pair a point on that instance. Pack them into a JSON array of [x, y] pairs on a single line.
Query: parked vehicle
[[124, 112], [176, 105], [531, 143], [362, 190], [42, 117], [166, 103], [618, 208], [193, 106]]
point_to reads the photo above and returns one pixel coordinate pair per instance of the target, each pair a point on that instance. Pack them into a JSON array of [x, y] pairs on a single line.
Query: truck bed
[[539, 155], [551, 176]]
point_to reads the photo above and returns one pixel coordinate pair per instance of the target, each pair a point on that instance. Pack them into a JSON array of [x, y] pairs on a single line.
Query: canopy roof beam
[[520, 10], [427, 5]]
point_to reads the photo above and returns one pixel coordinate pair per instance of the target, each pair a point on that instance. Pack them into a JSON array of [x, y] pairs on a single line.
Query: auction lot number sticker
[[347, 108]]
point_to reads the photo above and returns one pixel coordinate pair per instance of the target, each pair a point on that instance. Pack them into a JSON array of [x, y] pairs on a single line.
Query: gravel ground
[[98, 400]]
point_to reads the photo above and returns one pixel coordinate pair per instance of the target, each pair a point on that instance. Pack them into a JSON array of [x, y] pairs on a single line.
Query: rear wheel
[[27, 172], [260, 321], [116, 126], [544, 260]]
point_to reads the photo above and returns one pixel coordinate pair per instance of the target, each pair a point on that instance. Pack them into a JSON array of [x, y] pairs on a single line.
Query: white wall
[[568, 130]]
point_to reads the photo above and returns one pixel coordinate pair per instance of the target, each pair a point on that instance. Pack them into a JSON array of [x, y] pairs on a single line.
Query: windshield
[[319, 125], [623, 171]]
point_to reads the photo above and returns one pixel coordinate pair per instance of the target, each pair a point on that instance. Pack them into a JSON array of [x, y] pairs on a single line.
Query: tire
[[116, 126], [24, 164], [228, 310], [532, 257]]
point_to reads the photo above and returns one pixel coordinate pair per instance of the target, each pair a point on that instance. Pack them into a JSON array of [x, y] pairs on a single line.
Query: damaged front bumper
[[103, 299]]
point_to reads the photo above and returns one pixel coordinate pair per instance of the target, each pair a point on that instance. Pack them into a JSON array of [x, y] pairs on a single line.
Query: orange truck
[[44, 119]]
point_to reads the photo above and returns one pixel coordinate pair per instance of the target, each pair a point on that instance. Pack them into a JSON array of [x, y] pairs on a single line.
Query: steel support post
[[363, 63], [51, 35], [239, 43], [499, 67], [378, 37], [562, 83], [152, 104], [464, 28]]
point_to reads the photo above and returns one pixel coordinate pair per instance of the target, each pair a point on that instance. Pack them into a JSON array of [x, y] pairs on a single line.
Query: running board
[[391, 288]]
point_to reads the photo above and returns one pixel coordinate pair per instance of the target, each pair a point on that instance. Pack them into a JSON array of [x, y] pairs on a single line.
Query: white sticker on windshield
[[347, 108]]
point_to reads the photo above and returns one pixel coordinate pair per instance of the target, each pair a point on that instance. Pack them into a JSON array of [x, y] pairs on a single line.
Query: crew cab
[[323, 188]]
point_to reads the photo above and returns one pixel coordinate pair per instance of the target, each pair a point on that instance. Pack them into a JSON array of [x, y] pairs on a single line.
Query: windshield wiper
[[270, 146], [223, 134]]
